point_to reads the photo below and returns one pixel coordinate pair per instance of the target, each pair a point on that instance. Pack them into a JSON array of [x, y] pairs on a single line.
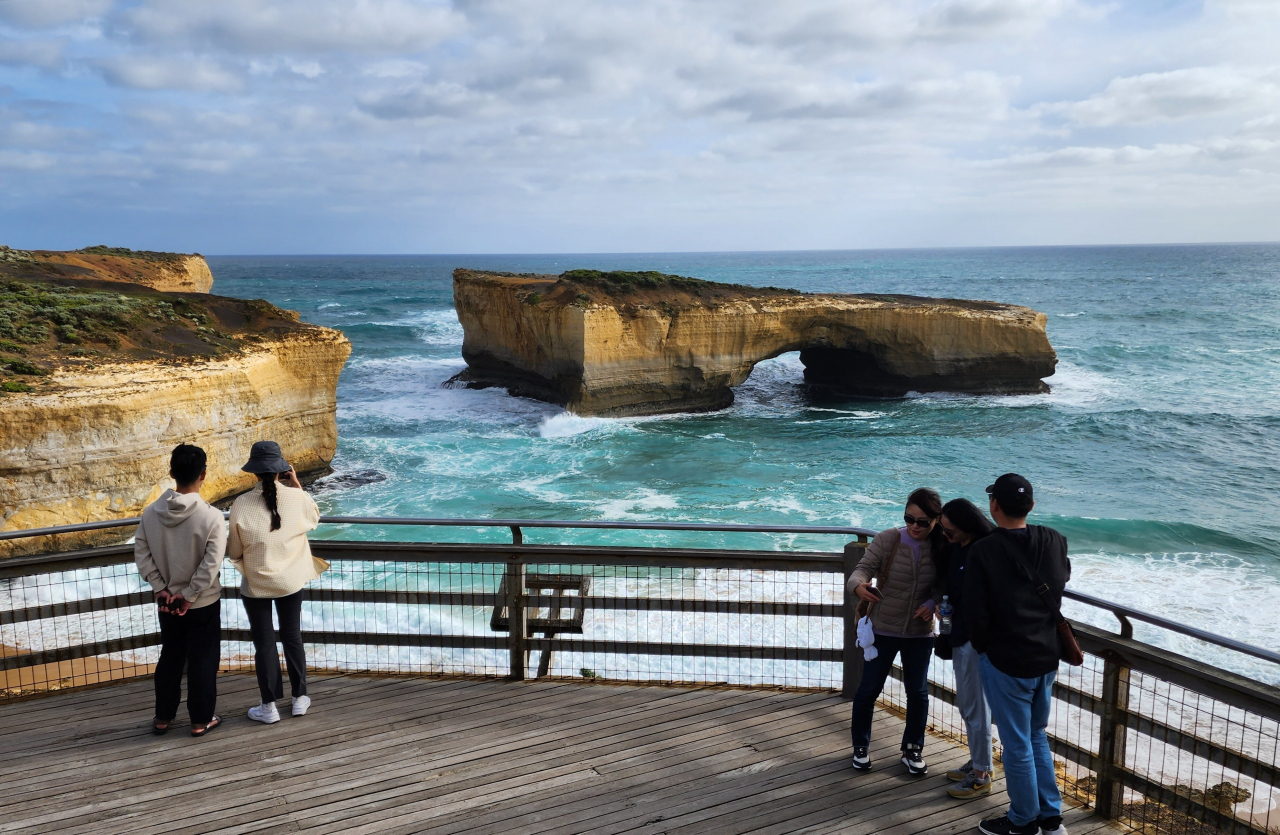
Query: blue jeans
[[972, 705], [915, 679], [1020, 708]]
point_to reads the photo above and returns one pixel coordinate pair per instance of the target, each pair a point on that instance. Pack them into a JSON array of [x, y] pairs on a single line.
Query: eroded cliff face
[[169, 272], [635, 348], [94, 444]]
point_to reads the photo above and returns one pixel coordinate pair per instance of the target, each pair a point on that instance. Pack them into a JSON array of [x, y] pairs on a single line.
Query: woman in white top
[[267, 543]]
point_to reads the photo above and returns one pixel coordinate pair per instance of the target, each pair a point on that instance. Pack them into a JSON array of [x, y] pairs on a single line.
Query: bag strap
[[1042, 588], [893, 552]]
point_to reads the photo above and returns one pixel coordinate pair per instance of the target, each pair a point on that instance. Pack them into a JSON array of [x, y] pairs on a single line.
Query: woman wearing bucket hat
[[267, 544]]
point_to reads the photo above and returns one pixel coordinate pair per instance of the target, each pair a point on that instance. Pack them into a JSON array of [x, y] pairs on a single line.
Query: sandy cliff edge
[[648, 344]]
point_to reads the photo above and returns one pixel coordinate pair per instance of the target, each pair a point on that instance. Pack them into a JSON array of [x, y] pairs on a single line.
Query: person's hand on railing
[[162, 600], [178, 605]]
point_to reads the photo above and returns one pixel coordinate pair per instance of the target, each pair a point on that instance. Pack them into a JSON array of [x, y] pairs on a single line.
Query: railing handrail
[[1173, 626], [711, 527], [1120, 611]]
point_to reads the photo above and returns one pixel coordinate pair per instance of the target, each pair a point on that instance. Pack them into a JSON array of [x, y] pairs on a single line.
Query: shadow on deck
[[400, 755]]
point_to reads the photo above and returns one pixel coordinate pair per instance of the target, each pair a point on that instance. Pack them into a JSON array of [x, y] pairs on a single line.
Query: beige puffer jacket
[[906, 588]]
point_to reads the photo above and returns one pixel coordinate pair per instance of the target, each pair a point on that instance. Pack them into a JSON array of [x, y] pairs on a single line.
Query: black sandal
[[159, 731], [213, 723]]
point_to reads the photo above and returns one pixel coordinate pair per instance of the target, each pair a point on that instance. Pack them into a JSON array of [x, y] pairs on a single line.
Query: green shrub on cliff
[[31, 312], [139, 254], [23, 367], [15, 387], [616, 282], [625, 280]]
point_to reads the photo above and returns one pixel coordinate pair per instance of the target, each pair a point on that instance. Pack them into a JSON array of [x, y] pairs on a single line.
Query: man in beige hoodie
[[179, 549]]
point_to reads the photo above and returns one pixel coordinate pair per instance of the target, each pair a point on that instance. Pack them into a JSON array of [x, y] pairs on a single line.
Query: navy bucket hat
[[265, 457]]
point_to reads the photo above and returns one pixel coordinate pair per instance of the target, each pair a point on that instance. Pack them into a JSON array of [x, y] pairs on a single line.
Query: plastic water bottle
[[944, 616]]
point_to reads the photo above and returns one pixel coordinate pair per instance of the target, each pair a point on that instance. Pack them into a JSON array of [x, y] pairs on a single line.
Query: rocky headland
[[646, 343], [100, 378], [171, 272]]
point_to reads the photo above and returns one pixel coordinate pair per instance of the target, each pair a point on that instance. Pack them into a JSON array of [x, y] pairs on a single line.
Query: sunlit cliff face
[[677, 349]]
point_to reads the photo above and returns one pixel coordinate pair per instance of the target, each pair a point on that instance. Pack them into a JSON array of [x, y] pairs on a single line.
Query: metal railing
[[1160, 741]]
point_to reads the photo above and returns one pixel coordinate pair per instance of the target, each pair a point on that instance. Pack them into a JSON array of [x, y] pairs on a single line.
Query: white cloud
[[1178, 94], [45, 13], [191, 73], [376, 27], [647, 123], [36, 52], [953, 20], [1089, 157]]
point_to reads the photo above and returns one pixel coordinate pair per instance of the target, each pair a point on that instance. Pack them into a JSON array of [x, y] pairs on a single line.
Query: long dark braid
[[269, 496]]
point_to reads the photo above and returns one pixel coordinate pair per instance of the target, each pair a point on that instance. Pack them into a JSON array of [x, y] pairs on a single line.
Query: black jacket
[[1007, 619], [957, 560]]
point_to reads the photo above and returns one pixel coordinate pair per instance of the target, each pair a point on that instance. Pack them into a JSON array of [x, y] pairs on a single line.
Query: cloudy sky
[[292, 126]]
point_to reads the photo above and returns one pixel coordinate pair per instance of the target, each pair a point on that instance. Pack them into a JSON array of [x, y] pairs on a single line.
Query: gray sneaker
[[960, 773], [971, 786]]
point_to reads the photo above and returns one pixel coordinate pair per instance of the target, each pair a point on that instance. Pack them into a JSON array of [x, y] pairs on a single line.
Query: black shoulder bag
[[1068, 647]]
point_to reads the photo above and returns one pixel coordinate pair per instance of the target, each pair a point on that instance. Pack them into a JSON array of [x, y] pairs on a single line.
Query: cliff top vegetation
[[136, 254], [628, 288], [616, 283], [51, 323]]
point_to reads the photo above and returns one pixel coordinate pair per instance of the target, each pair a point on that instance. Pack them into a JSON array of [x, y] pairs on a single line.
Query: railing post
[[516, 618], [852, 654], [1112, 739]]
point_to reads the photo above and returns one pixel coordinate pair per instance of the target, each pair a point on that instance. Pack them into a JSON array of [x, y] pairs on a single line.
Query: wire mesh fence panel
[[1172, 742], [701, 625]]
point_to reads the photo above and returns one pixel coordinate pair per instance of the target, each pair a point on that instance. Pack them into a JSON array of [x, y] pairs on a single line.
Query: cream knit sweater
[[272, 563]]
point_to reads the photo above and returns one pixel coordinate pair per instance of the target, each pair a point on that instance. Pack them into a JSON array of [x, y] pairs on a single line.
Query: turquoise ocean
[[1155, 453]]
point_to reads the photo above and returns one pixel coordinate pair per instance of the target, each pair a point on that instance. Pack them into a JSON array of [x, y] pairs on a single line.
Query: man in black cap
[[1013, 590]]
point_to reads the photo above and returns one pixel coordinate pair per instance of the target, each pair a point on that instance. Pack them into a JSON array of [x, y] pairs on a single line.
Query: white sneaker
[[300, 705], [1052, 826], [265, 713]]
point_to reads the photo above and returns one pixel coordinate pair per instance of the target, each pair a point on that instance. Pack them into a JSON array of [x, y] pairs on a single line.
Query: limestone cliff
[[95, 445], [170, 272], [643, 343], [100, 380]]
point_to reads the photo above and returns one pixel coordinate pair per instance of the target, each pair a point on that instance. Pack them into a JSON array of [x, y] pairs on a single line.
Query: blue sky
[[367, 126]]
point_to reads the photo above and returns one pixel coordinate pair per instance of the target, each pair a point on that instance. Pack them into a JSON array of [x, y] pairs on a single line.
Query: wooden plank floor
[[402, 755]]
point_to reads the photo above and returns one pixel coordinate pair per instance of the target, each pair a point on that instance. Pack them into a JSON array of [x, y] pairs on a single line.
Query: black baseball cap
[[1011, 488]]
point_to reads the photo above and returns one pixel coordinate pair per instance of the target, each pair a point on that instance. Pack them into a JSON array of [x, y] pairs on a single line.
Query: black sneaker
[[861, 761], [1052, 826], [913, 759], [1003, 826]]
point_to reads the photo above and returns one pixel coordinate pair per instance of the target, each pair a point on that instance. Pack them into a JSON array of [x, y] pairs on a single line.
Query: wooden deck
[[401, 755]]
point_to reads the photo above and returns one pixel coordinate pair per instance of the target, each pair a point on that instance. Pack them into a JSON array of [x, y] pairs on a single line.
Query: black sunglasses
[[950, 533], [923, 521]]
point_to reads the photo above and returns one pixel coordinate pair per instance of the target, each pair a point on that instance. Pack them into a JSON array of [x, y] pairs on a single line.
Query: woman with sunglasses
[[905, 562], [962, 524]]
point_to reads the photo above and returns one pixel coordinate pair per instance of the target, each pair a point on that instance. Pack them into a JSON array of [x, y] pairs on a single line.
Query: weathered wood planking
[[406, 755]]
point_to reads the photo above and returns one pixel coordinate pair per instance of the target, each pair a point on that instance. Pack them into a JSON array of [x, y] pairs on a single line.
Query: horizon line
[[517, 254]]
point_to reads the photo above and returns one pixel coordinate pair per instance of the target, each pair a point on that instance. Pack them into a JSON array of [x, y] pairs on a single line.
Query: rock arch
[[679, 348]]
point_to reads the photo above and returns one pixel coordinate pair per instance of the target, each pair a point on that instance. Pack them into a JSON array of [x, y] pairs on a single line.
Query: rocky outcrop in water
[[645, 343]]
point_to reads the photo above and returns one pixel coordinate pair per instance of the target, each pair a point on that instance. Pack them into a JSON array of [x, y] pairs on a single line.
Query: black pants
[[266, 660], [915, 678], [191, 642]]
